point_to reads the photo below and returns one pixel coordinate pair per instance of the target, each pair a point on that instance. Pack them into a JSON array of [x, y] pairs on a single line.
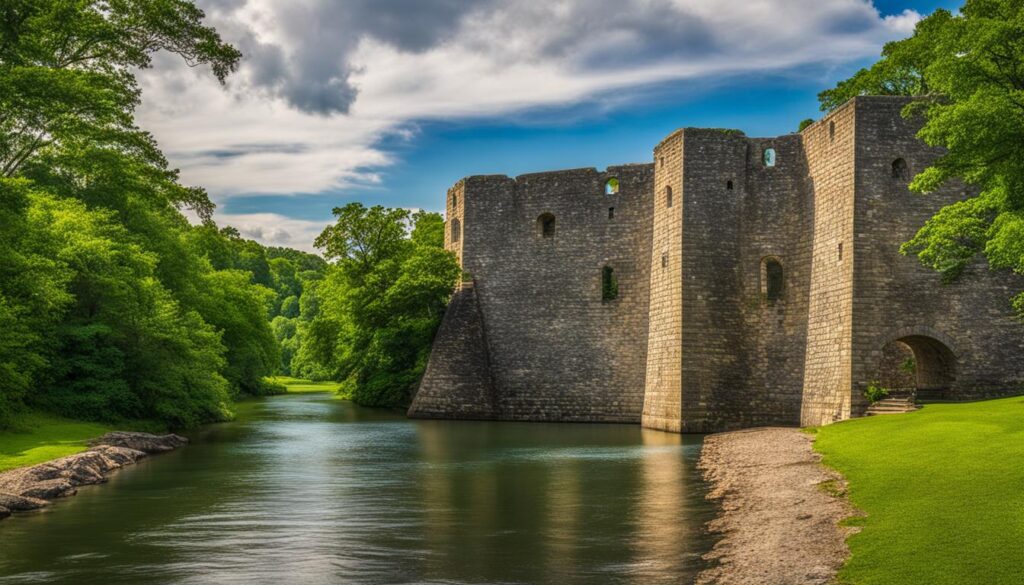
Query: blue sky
[[382, 114]]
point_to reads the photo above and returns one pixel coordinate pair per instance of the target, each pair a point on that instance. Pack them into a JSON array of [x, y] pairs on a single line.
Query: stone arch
[[456, 230], [546, 225], [934, 353]]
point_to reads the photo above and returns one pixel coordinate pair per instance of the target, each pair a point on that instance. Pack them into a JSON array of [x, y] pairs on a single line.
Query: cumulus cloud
[[273, 229], [324, 81]]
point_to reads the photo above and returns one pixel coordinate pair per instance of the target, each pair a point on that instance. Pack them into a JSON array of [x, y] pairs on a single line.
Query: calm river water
[[306, 489]]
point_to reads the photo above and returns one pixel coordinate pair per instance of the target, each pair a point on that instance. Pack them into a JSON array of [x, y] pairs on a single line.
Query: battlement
[[732, 282]]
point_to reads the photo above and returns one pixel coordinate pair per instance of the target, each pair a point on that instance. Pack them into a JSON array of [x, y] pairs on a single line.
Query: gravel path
[[779, 510]]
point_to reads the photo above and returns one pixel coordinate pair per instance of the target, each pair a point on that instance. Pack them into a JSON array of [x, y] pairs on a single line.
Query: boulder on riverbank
[[29, 488]]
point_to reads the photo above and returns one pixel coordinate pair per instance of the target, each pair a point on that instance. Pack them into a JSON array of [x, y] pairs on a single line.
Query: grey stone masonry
[[734, 282]]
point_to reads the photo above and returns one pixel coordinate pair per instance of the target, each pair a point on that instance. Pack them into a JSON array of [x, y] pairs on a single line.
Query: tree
[[66, 75], [112, 305], [968, 72], [381, 302]]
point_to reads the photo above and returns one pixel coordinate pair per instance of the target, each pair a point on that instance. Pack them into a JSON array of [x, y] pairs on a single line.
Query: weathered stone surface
[[50, 489], [18, 503], [29, 488], [693, 342], [144, 442]]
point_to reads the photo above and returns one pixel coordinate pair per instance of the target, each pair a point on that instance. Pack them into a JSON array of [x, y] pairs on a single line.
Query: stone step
[[891, 406]]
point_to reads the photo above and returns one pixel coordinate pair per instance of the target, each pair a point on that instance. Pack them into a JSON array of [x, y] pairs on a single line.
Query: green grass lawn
[[296, 385], [42, 437], [943, 490]]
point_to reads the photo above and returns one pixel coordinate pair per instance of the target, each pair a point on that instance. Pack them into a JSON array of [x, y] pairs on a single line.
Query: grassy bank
[[41, 437], [298, 386], [943, 490]]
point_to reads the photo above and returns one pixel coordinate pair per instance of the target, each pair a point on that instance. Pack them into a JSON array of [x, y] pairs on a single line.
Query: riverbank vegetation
[[298, 386], [115, 307], [965, 69], [941, 492], [41, 437]]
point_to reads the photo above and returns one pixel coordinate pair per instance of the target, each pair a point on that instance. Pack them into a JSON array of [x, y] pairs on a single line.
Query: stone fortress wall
[[703, 334]]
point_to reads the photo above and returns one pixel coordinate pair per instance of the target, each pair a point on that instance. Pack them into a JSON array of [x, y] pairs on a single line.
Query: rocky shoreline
[[779, 510], [30, 488]]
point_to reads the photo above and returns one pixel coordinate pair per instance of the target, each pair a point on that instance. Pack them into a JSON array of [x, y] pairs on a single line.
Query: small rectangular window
[[609, 284], [611, 213], [664, 260]]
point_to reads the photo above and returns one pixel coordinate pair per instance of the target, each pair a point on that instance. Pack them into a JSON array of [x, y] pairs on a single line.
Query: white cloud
[[273, 229], [325, 81]]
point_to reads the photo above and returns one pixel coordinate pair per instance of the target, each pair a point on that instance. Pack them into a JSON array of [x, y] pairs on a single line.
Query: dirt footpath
[[779, 510]]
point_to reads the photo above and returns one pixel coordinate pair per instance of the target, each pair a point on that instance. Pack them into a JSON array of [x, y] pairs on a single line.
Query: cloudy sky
[[391, 101]]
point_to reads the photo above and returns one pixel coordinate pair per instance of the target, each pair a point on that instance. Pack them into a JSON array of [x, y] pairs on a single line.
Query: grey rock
[[144, 442], [17, 503]]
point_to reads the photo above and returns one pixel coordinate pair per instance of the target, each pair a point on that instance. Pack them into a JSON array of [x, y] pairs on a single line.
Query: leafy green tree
[[968, 71], [239, 311], [67, 81], [33, 296], [112, 305], [382, 301], [113, 341]]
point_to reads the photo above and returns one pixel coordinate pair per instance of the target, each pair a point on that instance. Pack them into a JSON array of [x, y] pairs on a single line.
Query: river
[[307, 489]]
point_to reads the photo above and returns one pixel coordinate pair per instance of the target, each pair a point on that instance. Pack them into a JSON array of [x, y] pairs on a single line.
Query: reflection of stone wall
[[692, 343]]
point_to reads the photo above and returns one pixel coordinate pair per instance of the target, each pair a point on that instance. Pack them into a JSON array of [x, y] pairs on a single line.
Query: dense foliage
[[968, 70], [112, 306], [370, 322]]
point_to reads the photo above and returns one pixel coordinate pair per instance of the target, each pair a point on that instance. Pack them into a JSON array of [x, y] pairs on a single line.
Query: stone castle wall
[[896, 298], [693, 343], [557, 350]]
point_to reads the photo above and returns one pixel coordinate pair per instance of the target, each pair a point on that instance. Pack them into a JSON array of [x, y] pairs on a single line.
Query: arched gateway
[[919, 362]]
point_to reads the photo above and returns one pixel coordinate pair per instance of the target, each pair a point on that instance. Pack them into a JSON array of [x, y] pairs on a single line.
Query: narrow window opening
[[840, 251], [769, 157], [831, 130], [611, 187], [728, 185], [774, 283], [455, 201], [661, 161], [456, 230], [900, 170], [611, 213], [664, 260], [668, 196], [609, 284], [546, 225]]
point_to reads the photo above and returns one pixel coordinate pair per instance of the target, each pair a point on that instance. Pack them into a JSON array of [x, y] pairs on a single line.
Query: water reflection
[[304, 489]]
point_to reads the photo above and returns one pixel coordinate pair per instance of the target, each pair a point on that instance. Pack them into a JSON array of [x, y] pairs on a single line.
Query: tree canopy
[[380, 303], [112, 305]]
